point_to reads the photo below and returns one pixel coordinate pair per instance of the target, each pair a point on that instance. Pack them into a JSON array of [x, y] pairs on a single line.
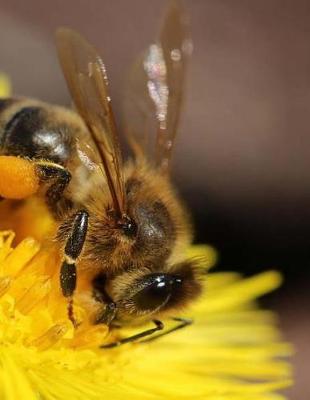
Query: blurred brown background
[[242, 158]]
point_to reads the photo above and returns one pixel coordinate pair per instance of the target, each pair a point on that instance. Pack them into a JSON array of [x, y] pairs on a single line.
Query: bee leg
[[99, 293], [107, 316], [21, 178], [73, 248], [18, 178], [183, 322], [158, 327], [58, 177]]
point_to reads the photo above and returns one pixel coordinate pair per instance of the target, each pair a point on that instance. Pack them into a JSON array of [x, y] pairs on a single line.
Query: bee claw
[[107, 316], [71, 316]]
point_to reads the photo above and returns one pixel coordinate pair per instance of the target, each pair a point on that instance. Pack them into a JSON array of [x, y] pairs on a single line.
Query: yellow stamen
[[50, 337], [5, 282]]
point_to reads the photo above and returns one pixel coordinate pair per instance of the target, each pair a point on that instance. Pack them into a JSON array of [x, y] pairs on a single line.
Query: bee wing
[[87, 81], [155, 90]]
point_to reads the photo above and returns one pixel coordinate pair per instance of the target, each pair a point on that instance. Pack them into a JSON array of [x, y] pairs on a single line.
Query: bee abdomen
[[30, 129]]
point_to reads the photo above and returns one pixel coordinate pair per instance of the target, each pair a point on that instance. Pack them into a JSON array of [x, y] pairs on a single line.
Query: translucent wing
[[87, 81], [155, 91]]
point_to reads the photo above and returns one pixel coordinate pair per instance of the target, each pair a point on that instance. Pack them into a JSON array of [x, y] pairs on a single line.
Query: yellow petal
[[5, 86], [15, 384], [232, 351]]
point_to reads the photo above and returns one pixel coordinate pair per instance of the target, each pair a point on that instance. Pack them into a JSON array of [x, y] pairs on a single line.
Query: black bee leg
[[73, 249], [158, 327], [183, 322], [58, 177], [108, 315]]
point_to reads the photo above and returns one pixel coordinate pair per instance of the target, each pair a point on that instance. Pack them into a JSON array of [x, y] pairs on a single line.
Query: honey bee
[[121, 221]]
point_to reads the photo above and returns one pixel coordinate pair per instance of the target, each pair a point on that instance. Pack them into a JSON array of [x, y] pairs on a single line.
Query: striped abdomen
[[37, 130]]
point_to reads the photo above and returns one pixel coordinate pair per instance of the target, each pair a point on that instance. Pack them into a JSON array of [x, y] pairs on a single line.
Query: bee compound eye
[[156, 291]]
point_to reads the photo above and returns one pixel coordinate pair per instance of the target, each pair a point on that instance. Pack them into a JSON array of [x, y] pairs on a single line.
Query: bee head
[[143, 294]]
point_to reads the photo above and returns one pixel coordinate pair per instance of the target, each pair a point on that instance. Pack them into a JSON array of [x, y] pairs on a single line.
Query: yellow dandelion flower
[[232, 351]]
